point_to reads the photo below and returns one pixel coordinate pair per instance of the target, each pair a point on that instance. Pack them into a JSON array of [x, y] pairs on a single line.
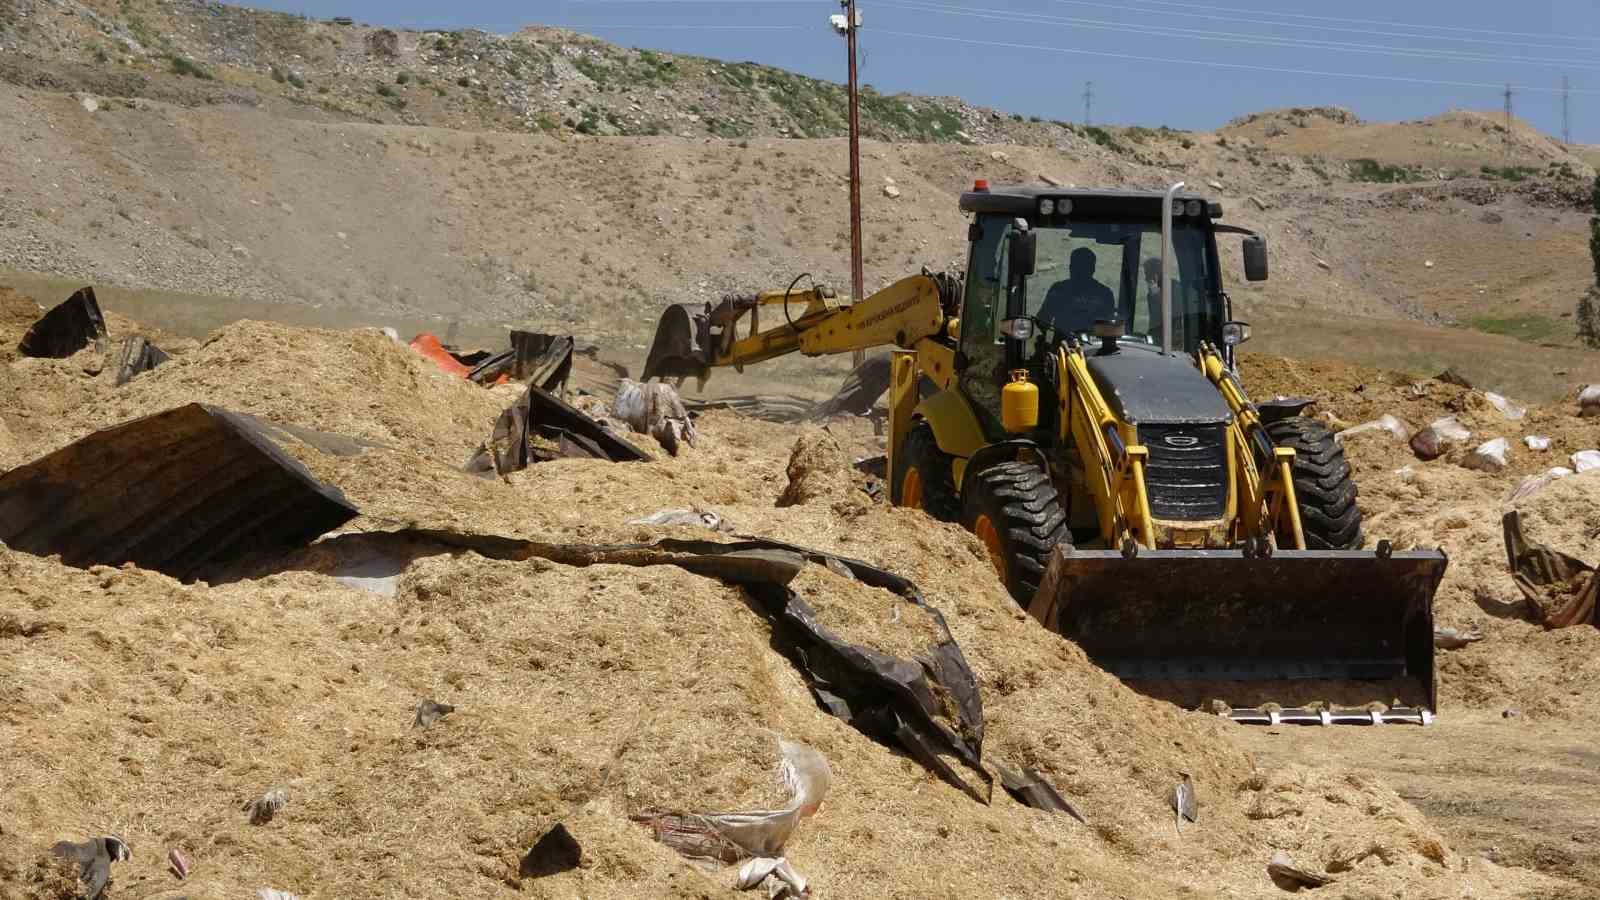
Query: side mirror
[[1022, 253], [1255, 258]]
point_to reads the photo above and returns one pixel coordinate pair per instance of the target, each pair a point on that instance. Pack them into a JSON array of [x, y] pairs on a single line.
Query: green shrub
[[464, 81], [189, 68], [402, 78], [385, 91], [1372, 170]]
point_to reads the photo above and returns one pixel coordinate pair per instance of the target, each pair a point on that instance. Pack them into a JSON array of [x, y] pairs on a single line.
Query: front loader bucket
[[1301, 636], [678, 350]]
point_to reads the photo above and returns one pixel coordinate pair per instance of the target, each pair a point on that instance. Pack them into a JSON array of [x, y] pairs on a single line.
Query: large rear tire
[[1014, 510], [1323, 483], [923, 478]]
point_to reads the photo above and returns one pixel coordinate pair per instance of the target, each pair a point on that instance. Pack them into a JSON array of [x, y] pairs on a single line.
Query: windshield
[[1089, 271]]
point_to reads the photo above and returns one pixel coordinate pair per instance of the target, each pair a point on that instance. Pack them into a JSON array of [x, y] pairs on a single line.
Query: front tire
[[923, 477], [1323, 483], [1015, 511]]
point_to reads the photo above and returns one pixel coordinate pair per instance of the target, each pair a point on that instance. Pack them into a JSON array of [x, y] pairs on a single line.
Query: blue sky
[[1184, 63]]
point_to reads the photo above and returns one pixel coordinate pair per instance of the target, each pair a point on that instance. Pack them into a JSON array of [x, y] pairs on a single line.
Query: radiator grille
[[1187, 477]]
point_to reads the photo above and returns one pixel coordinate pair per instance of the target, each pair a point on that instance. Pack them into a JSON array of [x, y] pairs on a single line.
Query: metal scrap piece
[[68, 327], [556, 851], [176, 492], [1285, 874], [540, 414], [1562, 590], [138, 355], [1031, 789], [431, 711]]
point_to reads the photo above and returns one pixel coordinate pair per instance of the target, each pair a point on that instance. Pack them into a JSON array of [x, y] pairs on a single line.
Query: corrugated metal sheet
[[176, 492]]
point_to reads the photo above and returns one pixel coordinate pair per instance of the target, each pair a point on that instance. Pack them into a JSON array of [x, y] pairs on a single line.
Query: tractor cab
[[1049, 265]]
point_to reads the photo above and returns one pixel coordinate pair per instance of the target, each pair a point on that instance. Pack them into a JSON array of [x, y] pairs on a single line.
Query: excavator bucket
[[1300, 637], [679, 348]]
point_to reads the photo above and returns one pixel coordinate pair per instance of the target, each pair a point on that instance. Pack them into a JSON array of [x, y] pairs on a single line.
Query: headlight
[[1193, 207], [1177, 207], [1235, 333], [1063, 206], [1047, 207]]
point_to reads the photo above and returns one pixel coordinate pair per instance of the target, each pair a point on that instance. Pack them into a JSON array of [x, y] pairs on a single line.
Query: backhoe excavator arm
[[908, 314]]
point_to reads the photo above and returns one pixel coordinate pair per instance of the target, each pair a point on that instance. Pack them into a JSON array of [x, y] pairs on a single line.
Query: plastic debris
[[68, 327], [556, 851], [1031, 789], [1439, 438], [1586, 460], [730, 837], [698, 518], [264, 807], [1589, 401], [1386, 423], [429, 712], [1508, 409], [775, 874], [178, 862], [656, 410], [1532, 484], [1454, 638], [274, 894], [93, 859], [1489, 456], [1285, 874], [1536, 442]]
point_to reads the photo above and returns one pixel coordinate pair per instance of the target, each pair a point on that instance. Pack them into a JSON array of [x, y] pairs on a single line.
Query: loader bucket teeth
[[678, 350], [1317, 637]]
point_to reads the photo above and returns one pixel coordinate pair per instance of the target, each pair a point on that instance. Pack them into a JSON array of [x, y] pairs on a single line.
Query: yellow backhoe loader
[[1073, 402]]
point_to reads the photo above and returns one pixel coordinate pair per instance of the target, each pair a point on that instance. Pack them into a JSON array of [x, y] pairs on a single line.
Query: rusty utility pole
[[857, 288]]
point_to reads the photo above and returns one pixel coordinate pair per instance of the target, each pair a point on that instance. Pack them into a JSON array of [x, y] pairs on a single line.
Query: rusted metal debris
[[541, 359], [138, 355], [1562, 590], [68, 327], [177, 492], [929, 706], [540, 427]]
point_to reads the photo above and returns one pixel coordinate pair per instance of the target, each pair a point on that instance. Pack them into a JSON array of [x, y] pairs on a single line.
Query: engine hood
[[1142, 386]]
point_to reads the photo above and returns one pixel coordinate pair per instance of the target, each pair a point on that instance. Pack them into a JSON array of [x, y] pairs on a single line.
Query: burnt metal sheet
[[68, 327], [1217, 616], [177, 492], [1561, 589], [138, 355], [539, 413]]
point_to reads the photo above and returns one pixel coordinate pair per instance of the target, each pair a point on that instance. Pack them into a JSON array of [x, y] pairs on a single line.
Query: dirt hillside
[[585, 695]]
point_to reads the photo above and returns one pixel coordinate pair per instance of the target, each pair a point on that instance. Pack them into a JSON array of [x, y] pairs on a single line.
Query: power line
[[1232, 37], [1257, 12], [1130, 6], [1245, 67]]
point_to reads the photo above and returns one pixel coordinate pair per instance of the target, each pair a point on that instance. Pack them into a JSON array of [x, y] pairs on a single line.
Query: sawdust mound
[[817, 470], [132, 703], [1442, 504]]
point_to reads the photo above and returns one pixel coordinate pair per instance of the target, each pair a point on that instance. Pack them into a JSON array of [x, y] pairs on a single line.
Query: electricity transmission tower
[[1566, 114], [1508, 119], [1088, 103]]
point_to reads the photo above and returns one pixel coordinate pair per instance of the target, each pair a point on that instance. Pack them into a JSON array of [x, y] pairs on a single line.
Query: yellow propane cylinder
[[1019, 403]]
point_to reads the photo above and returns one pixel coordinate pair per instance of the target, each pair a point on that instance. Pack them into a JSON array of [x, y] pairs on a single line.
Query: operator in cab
[[1073, 305]]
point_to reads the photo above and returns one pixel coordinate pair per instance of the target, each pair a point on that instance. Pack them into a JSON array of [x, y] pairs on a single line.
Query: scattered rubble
[[1532, 484], [262, 809], [697, 518], [1510, 410], [1454, 638], [1589, 401], [541, 427], [431, 711], [93, 859], [1387, 424], [1536, 442]]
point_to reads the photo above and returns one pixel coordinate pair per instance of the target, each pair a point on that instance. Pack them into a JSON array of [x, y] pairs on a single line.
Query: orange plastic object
[[429, 346]]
